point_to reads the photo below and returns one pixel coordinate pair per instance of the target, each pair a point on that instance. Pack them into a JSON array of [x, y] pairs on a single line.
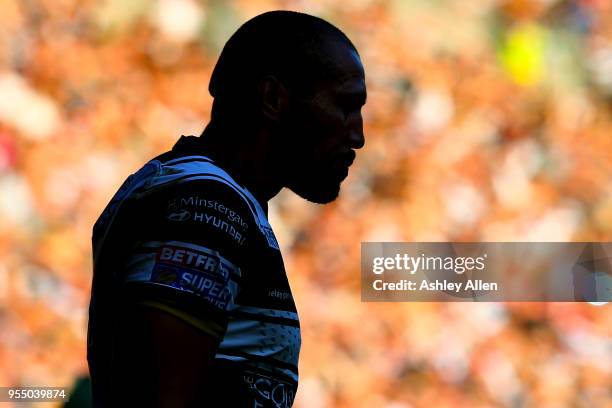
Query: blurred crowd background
[[487, 120]]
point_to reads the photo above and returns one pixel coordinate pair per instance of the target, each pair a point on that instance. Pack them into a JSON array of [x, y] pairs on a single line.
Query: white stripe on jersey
[[204, 158], [269, 312]]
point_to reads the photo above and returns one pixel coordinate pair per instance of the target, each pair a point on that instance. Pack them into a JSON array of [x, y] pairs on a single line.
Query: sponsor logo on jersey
[[203, 273], [189, 258], [195, 202], [225, 220], [164, 276], [213, 288], [219, 224], [179, 216], [267, 390], [272, 242], [280, 294]]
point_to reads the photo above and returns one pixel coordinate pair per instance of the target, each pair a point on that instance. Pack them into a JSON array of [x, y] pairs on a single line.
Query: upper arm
[[179, 281], [159, 360]]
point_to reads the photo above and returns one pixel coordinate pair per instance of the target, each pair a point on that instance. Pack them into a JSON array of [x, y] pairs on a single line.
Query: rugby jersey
[[183, 236]]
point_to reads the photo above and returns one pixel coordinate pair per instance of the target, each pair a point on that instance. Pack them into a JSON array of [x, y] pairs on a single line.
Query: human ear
[[273, 97]]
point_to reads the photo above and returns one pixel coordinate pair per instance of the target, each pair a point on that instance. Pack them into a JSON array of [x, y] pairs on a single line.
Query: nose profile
[[356, 139]]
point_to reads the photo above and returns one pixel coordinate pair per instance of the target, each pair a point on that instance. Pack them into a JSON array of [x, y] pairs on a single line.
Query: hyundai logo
[[182, 215]]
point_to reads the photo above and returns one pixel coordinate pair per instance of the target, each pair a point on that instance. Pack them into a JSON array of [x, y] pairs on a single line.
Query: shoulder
[[194, 196], [195, 188], [180, 178]]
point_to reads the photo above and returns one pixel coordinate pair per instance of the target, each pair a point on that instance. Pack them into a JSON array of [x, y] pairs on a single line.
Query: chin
[[317, 193]]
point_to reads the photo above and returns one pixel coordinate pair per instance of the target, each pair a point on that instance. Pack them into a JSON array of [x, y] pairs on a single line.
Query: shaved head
[[291, 46]]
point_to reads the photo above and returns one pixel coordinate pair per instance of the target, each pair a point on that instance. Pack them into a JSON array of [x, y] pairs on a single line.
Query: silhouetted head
[[301, 79]]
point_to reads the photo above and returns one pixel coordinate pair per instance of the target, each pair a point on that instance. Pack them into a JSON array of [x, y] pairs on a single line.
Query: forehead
[[347, 76]]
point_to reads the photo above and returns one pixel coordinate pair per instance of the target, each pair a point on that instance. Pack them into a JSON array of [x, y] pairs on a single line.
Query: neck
[[244, 152]]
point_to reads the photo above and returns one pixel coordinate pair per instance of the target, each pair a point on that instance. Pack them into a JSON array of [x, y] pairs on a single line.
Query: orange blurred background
[[487, 120]]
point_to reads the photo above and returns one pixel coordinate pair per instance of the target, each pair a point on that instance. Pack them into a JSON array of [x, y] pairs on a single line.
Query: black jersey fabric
[[182, 236]]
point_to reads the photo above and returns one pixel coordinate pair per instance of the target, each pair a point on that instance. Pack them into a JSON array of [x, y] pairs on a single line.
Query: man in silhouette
[[190, 301]]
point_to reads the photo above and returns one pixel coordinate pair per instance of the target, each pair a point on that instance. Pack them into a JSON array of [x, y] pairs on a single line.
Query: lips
[[347, 158], [339, 164], [342, 169]]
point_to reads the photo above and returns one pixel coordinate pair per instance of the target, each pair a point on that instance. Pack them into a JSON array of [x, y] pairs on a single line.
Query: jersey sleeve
[[191, 242]]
